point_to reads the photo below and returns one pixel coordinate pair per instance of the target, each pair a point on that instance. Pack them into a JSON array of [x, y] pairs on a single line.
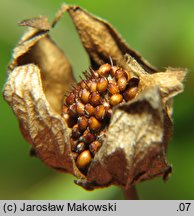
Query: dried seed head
[[84, 159], [102, 84], [116, 99], [100, 112], [82, 123], [104, 69], [95, 146], [89, 109], [94, 124], [84, 95], [95, 98]]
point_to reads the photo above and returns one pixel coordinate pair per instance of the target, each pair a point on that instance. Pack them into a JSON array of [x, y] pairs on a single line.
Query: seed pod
[[116, 99], [89, 109], [88, 137], [130, 93], [75, 132], [104, 69], [80, 108], [84, 95], [84, 159], [80, 147], [113, 88], [102, 84], [100, 112], [122, 83], [95, 146], [95, 98], [82, 123], [70, 99], [130, 152], [94, 124]]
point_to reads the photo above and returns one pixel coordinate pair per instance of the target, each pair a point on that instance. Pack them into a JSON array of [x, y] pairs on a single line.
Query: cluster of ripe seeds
[[88, 109]]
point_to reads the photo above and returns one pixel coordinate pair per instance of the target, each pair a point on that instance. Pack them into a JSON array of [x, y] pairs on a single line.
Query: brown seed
[[104, 69], [102, 84], [95, 98], [65, 109], [88, 137], [94, 124], [119, 73], [122, 83], [83, 84], [69, 120], [80, 147], [89, 109], [75, 131], [92, 85], [84, 159], [84, 95], [113, 88], [116, 99], [113, 70], [82, 123], [127, 75], [100, 112], [70, 99], [80, 108], [95, 146], [72, 111], [130, 93]]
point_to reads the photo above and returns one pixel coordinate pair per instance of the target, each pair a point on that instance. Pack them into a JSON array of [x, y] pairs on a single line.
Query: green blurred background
[[163, 32]]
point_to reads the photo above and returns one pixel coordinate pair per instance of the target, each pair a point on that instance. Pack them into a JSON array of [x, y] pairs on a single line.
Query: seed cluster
[[88, 108]]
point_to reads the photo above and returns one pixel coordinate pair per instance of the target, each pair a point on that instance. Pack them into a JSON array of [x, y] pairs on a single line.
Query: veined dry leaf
[[114, 126]]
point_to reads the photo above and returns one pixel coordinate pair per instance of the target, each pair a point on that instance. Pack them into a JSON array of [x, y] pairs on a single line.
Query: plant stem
[[131, 193]]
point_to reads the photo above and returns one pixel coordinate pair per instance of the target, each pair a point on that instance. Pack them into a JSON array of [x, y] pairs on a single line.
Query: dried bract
[[113, 127]]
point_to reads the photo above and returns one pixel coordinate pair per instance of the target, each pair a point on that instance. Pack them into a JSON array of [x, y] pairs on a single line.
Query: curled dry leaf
[[113, 127]]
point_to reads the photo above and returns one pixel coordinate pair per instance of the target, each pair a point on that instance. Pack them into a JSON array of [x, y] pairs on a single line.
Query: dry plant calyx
[[113, 126]]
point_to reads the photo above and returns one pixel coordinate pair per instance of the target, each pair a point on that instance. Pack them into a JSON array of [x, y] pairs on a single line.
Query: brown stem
[[130, 194]]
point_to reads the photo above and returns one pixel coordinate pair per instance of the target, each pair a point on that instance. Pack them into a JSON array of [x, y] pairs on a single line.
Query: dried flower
[[114, 126]]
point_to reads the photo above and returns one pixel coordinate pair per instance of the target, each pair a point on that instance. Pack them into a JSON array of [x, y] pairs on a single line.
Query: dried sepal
[[100, 39], [115, 125]]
